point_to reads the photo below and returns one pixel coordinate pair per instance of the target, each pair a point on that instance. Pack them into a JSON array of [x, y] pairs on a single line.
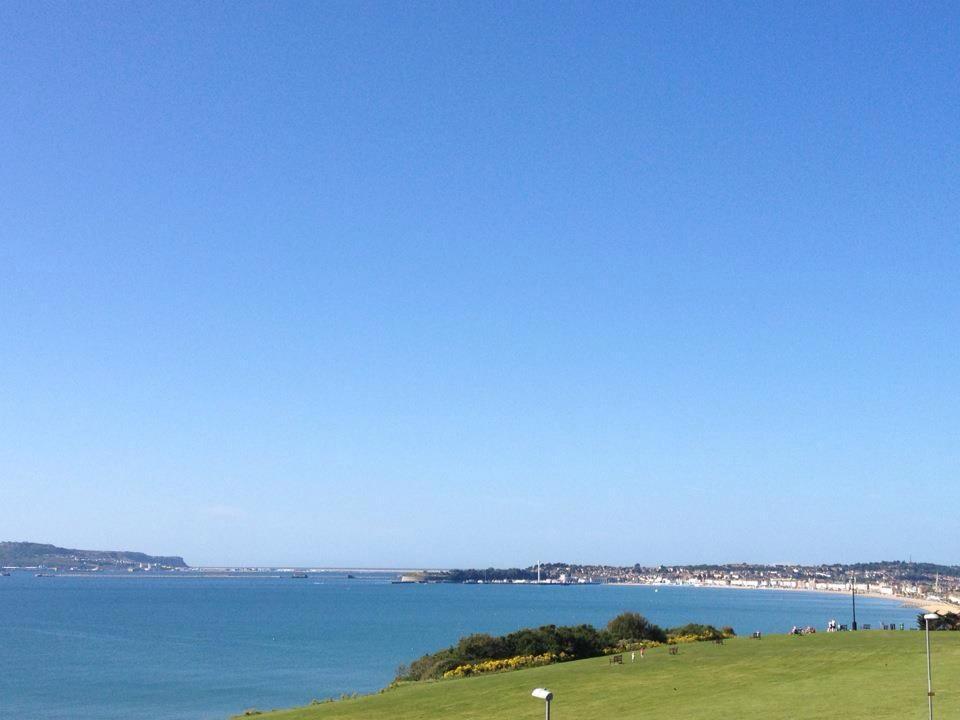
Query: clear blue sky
[[450, 284]]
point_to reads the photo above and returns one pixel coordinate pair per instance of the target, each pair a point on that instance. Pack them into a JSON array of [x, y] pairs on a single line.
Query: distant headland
[[39, 555]]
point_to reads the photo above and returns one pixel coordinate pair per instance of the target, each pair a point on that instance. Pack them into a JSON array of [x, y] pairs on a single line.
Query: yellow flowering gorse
[[513, 663]]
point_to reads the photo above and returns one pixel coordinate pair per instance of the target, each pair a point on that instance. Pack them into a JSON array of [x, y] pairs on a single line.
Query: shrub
[[694, 632], [946, 621], [481, 653], [634, 626], [579, 641], [432, 666], [481, 647]]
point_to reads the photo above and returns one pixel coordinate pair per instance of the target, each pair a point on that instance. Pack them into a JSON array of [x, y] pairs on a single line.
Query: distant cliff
[[27, 554]]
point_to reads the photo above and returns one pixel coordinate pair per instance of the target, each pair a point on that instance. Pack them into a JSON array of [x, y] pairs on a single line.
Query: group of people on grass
[[832, 626]]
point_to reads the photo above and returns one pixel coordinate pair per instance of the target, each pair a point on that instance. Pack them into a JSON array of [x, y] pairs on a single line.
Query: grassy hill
[[856, 676], [29, 554]]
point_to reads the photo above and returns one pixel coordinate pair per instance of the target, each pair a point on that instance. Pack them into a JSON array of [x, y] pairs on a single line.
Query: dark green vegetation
[[699, 633], [27, 554], [554, 644], [855, 676], [487, 575], [633, 627], [946, 621]]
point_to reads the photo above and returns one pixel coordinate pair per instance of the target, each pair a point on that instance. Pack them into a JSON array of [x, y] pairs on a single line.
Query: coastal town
[[922, 582]]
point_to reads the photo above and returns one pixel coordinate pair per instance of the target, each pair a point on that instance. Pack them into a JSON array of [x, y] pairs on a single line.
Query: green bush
[[633, 626], [563, 642], [550, 643], [947, 621], [695, 632]]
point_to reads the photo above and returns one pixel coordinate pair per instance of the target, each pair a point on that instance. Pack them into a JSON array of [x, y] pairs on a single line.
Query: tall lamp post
[[544, 695], [926, 621], [853, 599]]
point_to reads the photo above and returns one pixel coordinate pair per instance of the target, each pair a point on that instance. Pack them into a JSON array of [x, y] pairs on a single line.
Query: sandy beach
[[940, 607]]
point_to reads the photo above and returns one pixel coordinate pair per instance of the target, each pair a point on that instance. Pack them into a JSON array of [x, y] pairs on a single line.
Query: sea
[[172, 647]]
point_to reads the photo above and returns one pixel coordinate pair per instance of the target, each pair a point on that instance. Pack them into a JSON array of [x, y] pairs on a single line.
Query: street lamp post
[[544, 695], [853, 599], [926, 620]]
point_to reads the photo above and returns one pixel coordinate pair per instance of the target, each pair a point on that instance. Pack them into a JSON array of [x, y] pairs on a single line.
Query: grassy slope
[[850, 675]]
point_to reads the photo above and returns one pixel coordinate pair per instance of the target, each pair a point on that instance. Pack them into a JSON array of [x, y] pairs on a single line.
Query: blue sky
[[480, 284]]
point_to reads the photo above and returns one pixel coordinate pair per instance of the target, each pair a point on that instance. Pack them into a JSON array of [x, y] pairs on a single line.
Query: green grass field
[[844, 675]]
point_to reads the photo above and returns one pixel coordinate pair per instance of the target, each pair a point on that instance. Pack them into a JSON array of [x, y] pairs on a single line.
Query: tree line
[[561, 643]]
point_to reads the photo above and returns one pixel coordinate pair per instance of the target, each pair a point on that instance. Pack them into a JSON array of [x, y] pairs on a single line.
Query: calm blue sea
[[172, 648]]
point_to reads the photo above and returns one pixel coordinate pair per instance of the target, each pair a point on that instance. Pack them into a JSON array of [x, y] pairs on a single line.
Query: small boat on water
[[351, 577], [299, 575]]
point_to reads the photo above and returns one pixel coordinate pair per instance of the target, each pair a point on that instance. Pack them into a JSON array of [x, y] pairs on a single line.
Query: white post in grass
[[544, 695], [927, 618]]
